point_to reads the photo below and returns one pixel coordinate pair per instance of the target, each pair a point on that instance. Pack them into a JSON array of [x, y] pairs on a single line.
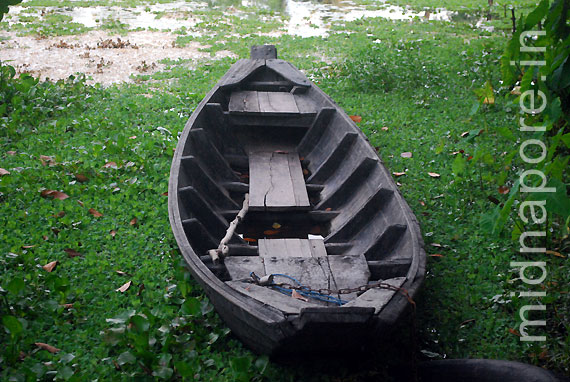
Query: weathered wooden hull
[[353, 203]]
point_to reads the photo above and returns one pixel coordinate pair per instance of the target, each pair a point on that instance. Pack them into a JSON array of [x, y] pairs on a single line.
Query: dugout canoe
[[323, 220]]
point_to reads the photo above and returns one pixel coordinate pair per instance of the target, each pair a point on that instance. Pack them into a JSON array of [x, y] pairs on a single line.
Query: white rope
[[223, 248]]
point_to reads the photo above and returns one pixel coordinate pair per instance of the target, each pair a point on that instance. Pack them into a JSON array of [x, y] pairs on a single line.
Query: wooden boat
[[323, 215]]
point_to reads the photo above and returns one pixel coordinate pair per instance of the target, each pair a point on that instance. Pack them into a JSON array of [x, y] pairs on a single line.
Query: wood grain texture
[[377, 298], [268, 296], [276, 181]]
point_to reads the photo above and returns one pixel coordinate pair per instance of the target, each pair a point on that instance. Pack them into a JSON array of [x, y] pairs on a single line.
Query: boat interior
[[323, 212]]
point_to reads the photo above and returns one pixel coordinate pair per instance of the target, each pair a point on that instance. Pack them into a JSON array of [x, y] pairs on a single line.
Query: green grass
[[418, 81]]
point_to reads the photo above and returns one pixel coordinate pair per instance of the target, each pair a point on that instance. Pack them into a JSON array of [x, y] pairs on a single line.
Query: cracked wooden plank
[[276, 181]]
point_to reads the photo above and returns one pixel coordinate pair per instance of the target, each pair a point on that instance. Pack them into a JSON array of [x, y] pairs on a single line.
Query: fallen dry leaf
[[124, 287], [356, 118], [95, 213], [433, 174], [122, 273], [470, 157], [406, 154], [133, 137], [399, 173], [437, 255], [4, 172], [165, 193], [385, 128], [50, 266], [436, 245], [464, 134], [11, 153], [47, 347], [72, 253], [551, 252], [504, 190], [298, 296], [46, 159], [67, 306], [28, 246], [133, 221], [80, 203], [54, 194], [515, 332], [422, 203], [60, 214], [111, 165], [81, 178], [112, 233]]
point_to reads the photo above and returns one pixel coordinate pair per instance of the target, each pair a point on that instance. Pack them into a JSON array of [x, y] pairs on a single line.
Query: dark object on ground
[[482, 370], [287, 217]]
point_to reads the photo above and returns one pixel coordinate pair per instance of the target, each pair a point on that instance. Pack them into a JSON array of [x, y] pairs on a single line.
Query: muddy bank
[[102, 57]]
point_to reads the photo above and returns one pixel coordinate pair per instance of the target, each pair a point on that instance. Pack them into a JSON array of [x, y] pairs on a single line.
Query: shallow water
[[59, 57], [306, 18]]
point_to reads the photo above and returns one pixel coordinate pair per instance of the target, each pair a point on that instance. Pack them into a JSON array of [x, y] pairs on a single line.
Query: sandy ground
[[104, 58]]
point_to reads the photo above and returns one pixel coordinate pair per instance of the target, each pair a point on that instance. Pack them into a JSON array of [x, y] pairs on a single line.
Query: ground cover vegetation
[[92, 283]]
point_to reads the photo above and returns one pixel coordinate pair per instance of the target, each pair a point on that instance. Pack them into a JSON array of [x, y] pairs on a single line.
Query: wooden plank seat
[[266, 108], [305, 260], [276, 181]]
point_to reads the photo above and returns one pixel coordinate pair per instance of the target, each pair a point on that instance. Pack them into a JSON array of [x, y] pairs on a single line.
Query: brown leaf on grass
[[141, 288], [464, 134], [110, 165], [95, 213], [112, 233], [28, 246], [54, 194], [551, 252], [60, 214], [422, 203], [121, 273], [72, 253], [406, 154], [47, 160], [399, 173], [123, 288], [50, 266], [356, 118], [298, 296], [67, 306], [4, 172], [81, 178], [133, 222], [45, 237], [434, 174], [165, 193], [436, 245], [80, 203], [385, 128], [437, 255], [11, 153], [47, 347], [504, 190], [515, 332], [133, 137]]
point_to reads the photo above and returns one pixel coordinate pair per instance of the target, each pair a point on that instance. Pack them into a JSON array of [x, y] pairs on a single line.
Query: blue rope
[[303, 291]]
